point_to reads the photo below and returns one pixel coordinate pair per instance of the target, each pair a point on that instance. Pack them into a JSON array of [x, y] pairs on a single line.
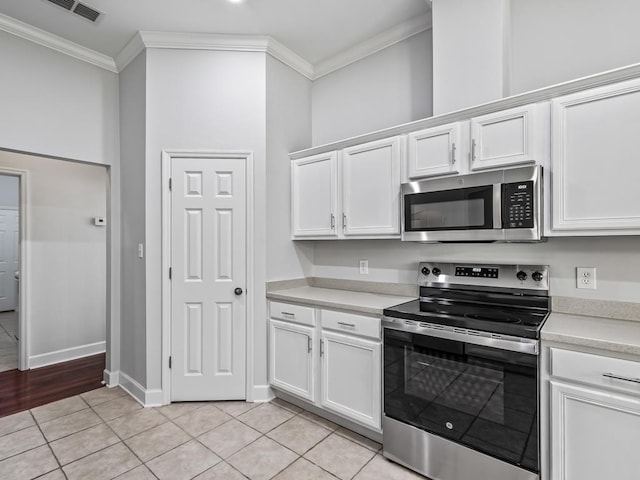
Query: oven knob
[[522, 276], [436, 271], [537, 276], [425, 271]]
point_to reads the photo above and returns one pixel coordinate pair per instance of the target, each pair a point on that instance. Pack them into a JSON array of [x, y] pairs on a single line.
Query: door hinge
[[321, 347], [169, 362], [169, 273], [169, 184]]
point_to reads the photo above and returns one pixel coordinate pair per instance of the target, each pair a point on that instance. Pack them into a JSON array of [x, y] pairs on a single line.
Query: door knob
[[238, 291]]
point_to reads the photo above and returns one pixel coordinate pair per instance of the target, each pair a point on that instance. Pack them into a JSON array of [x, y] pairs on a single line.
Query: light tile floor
[[8, 341], [104, 434]]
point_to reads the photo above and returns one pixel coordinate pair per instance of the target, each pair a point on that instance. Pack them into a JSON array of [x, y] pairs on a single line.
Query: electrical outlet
[[364, 267], [586, 277]]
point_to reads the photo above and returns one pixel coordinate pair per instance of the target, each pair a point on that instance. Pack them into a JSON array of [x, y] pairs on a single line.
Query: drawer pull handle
[[619, 377], [344, 324], [287, 314]]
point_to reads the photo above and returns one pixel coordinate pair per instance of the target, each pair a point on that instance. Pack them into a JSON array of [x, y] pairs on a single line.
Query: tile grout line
[[48, 446]]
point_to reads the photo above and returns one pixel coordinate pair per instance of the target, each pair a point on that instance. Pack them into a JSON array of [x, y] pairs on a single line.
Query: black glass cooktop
[[503, 319]]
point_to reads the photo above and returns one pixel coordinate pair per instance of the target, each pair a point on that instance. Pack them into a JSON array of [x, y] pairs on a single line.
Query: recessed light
[[235, 1]]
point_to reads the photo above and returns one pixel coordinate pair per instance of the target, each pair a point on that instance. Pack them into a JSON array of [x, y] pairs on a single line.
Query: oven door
[[479, 396]]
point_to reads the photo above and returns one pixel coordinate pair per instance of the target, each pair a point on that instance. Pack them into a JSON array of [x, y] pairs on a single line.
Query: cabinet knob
[[237, 291]]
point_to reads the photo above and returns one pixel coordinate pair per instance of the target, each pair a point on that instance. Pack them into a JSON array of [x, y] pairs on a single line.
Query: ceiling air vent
[[86, 12], [64, 3], [80, 9]]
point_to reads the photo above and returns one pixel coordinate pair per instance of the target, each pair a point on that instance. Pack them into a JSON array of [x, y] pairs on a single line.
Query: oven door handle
[[502, 342]]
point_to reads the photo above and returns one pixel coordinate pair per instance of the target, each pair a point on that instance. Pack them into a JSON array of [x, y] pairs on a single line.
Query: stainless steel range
[[461, 372]]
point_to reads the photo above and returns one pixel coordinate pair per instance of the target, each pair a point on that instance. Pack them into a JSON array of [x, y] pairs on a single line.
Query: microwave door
[[462, 214]]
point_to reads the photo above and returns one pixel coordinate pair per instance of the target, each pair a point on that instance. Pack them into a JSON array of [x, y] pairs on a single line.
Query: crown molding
[[130, 51], [373, 45], [54, 42], [206, 41]]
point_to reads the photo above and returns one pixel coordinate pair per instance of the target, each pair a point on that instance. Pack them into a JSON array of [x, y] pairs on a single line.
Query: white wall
[[617, 260], [56, 105], [388, 88], [208, 100], [468, 52], [288, 129], [66, 255], [132, 336], [554, 41], [9, 191]]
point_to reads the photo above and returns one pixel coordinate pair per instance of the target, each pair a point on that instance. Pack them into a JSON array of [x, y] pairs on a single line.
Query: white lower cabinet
[[336, 364], [351, 377], [291, 361], [594, 419]]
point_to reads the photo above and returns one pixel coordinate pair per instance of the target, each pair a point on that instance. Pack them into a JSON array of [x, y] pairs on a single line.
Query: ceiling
[[316, 30]]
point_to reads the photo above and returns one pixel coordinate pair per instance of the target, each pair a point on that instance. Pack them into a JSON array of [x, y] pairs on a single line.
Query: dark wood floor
[[24, 390]]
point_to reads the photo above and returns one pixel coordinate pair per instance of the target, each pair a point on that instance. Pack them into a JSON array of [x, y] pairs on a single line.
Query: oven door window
[[459, 209], [481, 397]]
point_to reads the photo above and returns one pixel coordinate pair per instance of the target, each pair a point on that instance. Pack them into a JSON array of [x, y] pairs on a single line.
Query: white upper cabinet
[[505, 138], [595, 162], [314, 187], [371, 188], [352, 193], [434, 151]]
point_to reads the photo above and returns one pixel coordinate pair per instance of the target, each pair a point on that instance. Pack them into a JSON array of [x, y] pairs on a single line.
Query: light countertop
[[362, 302], [616, 336]]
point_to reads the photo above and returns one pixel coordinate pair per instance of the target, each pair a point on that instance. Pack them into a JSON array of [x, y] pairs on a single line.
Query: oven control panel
[[530, 277], [485, 272]]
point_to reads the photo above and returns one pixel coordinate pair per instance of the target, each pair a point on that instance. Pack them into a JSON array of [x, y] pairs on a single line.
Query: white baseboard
[[262, 393], [111, 379], [66, 354], [146, 398]]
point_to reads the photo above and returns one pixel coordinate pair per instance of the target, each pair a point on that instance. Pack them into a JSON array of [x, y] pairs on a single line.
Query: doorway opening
[[9, 272]]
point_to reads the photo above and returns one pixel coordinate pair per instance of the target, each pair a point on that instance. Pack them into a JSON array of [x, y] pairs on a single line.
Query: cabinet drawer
[[292, 313], [350, 323], [614, 373]]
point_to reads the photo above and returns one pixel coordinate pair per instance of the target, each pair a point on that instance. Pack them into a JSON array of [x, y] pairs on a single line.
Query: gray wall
[[67, 254], [55, 105], [554, 41], [288, 129], [390, 87], [207, 100], [9, 191], [132, 338]]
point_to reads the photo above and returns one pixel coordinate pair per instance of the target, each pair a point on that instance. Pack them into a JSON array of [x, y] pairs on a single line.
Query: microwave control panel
[[517, 205]]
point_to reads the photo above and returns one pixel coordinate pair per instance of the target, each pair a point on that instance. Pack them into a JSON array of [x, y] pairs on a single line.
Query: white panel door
[[504, 138], [352, 378], [208, 259], [594, 434], [314, 196], [434, 151], [371, 188], [291, 365], [9, 258]]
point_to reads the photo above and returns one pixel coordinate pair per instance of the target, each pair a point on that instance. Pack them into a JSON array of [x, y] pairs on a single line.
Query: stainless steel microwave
[[493, 206]]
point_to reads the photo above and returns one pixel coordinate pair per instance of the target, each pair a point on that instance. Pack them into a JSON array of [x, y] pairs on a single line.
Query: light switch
[[100, 221], [140, 250]]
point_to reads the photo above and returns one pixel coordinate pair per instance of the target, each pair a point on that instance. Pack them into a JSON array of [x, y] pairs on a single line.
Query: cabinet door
[[434, 151], [594, 434], [503, 138], [314, 196], [371, 188], [594, 161], [351, 378], [291, 365]]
